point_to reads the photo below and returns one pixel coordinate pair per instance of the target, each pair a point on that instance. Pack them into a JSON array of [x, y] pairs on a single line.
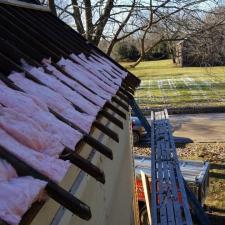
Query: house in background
[[205, 49]]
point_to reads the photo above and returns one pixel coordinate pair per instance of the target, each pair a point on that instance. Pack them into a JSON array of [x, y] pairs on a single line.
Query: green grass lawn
[[163, 84]]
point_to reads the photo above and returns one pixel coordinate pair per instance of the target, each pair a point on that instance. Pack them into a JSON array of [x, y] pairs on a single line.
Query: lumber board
[[147, 195]]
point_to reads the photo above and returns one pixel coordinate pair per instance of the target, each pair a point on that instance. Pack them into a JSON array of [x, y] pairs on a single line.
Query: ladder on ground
[[170, 196]]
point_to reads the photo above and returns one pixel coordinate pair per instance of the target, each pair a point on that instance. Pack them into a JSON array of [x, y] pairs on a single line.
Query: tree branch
[[77, 17]]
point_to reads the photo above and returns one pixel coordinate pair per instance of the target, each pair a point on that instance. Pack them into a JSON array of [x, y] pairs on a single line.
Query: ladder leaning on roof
[[170, 197]]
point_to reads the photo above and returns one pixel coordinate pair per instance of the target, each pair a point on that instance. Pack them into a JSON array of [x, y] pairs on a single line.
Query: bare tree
[[96, 20], [120, 28], [90, 18], [152, 22], [206, 48], [166, 19]]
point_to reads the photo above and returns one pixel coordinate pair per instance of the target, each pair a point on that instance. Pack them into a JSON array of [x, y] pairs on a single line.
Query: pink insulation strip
[[75, 72], [28, 132], [17, 196], [120, 72], [33, 108], [107, 67], [17, 193], [76, 86], [82, 56], [92, 76], [88, 60], [90, 63], [51, 167], [7, 172], [65, 91], [97, 69], [54, 101], [95, 76], [105, 73], [114, 68]]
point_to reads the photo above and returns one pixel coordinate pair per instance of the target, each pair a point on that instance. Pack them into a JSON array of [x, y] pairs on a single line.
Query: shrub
[[127, 52]]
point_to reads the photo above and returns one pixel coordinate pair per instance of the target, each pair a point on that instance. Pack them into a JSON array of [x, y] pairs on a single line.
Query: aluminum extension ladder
[[193, 202]]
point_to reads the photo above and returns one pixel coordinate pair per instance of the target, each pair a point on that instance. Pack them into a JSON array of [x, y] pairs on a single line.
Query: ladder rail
[[187, 193]]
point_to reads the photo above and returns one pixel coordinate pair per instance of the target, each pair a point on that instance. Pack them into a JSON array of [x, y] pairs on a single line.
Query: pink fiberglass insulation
[[7, 172], [105, 72], [75, 85], [75, 72], [97, 69], [17, 193], [28, 132], [17, 196], [116, 80], [1, 83], [54, 101], [107, 67], [31, 107], [88, 61], [114, 68], [83, 56], [80, 66], [104, 65], [65, 91], [94, 75], [115, 74], [51, 167]]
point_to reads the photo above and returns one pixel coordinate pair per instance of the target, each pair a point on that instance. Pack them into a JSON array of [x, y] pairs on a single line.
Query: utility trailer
[[195, 173]]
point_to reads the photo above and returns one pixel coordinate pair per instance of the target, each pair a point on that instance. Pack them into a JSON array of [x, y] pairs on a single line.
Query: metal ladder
[[193, 202]]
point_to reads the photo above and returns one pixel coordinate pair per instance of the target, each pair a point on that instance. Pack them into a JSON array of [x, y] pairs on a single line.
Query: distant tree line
[[126, 51]]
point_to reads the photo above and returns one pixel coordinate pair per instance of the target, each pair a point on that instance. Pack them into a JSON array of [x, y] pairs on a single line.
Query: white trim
[[25, 5]]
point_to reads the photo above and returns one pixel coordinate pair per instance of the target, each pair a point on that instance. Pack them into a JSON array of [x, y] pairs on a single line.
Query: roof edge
[[25, 5]]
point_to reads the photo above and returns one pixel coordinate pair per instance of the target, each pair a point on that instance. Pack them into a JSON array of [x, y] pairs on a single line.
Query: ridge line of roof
[[25, 5]]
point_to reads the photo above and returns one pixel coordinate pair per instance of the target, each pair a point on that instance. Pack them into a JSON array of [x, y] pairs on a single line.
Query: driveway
[[200, 127]]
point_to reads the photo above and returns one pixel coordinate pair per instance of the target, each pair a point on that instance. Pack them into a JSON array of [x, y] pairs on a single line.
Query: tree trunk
[[137, 62], [123, 24], [51, 4], [142, 52], [88, 20], [102, 22], [77, 17], [110, 47], [174, 58]]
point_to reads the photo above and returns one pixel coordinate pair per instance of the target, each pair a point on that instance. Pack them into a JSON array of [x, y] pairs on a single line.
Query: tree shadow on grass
[[217, 166], [218, 176], [215, 219]]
